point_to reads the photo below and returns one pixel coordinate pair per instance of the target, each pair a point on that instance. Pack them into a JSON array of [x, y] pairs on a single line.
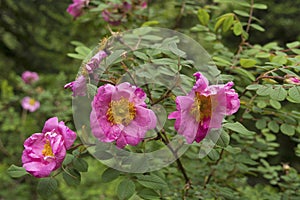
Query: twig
[[250, 16], [211, 174], [166, 141], [180, 14]]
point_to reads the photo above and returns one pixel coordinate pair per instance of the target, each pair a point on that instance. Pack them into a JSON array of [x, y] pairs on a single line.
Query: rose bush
[[239, 118]]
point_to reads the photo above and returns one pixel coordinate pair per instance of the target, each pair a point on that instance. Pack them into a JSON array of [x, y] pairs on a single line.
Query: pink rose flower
[[78, 86], [30, 104], [95, 61], [44, 152], [203, 108], [30, 77], [76, 8], [120, 114]]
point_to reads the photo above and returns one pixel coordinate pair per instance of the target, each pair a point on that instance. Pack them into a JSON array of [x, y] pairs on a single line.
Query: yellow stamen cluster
[[202, 107], [47, 151], [31, 102], [121, 112]]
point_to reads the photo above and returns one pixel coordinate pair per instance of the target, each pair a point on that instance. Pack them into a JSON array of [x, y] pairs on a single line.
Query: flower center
[[201, 108], [31, 102], [47, 151], [121, 112]]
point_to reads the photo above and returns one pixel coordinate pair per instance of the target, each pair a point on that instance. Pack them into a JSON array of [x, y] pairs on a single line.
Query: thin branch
[[166, 141], [212, 172], [180, 14]]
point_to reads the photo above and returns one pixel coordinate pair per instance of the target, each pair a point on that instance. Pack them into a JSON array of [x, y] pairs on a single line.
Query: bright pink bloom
[[30, 77], [76, 8], [95, 61], [120, 114], [30, 104], [293, 80], [203, 108], [44, 152], [78, 86]]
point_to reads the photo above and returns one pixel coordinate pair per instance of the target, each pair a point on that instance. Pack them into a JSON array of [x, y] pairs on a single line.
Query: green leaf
[[296, 51], [233, 150], [109, 175], [141, 55], [224, 139], [239, 128], [275, 104], [241, 13], [287, 129], [173, 47], [261, 124], [213, 155], [278, 93], [253, 87], [294, 93], [219, 23], [152, 37], [152, 181], [68, 159], [257, 27], [293, 44], [72, 177], [247, 62], [228, 23], [80, 164], [265, 90], [221, 61], [203, 16], [269, 137], [261, 104], [46, 187], [262, 55], [148, 194], [260, 6], [125, 189], [83, 50], [273, 126], [77, 56], [16, 172], [279, 59], [237, 28], [150, 23], [245, 73]]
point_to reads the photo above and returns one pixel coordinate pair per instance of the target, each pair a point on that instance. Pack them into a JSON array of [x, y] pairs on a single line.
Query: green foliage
[[46, 187]]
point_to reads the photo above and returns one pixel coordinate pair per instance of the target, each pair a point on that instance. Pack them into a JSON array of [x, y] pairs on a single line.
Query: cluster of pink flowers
[[120, 114], [76, 8], [29, 103], [116, 13], [44, 152]]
